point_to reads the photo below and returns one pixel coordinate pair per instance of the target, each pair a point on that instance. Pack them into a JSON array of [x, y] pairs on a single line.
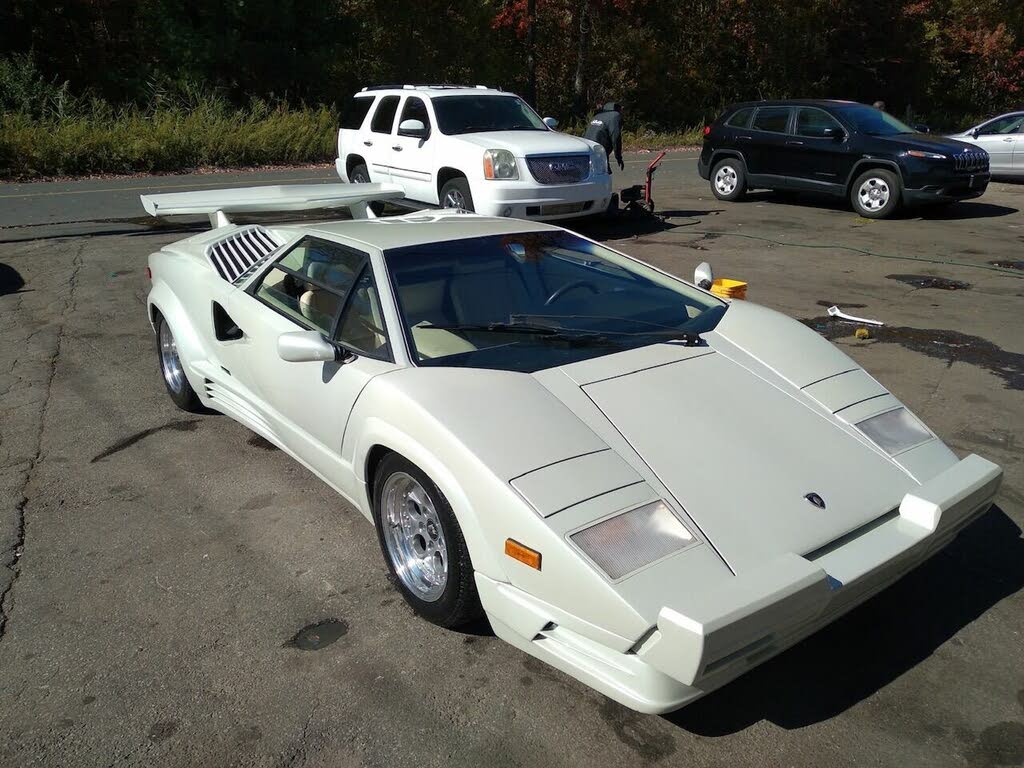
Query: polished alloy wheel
[[873, 194], [414, 537], [170, 363], [725, 180], [454, 199]]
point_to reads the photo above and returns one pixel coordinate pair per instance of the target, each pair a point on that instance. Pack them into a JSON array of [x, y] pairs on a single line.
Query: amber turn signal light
[[522, 553]]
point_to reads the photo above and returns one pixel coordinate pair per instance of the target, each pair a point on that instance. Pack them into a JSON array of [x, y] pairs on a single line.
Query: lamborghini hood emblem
[[815, 499]]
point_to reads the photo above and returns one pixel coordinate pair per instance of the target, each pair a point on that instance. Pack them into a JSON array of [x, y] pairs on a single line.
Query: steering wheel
[[560, 292]]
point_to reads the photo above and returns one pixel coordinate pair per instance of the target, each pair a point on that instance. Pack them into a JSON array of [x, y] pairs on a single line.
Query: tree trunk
[[578, 85]]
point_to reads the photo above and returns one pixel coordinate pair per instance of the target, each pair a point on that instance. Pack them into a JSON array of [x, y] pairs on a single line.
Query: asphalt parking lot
[[160, 565]]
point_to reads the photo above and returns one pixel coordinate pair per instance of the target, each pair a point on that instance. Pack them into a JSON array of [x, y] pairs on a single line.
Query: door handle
[[794, 143], [367, 143], [743, 138], [1008, 138], [397, 147]]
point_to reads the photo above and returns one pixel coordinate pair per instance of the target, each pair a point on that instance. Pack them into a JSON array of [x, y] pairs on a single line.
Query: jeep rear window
[[352, 118], [740, 118], [478, 114], [772, 119]]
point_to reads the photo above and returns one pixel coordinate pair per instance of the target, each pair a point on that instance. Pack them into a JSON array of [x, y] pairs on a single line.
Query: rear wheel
[[359, 175], [875, 194], [173, 370], [423, 544], [456, 194], [728, 180]]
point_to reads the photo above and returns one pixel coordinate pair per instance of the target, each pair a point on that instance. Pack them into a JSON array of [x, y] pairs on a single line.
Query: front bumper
[[729, 629], [525, 199], [944, 187]]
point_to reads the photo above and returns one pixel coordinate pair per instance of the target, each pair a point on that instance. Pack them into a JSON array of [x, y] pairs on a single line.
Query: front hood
[[740, 454], [926, 142], [522, 143]]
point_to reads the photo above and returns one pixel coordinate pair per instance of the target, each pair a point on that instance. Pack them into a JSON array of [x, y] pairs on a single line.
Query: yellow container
[[729, 289]]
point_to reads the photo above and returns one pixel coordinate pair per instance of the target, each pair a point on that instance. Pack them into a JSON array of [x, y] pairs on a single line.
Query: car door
[[1000, 138], [817, 151], [764, 146], [377, 141], [316, 285], [412, 158]]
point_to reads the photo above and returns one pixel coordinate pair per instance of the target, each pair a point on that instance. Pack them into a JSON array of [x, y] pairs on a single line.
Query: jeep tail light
[[707, 130]]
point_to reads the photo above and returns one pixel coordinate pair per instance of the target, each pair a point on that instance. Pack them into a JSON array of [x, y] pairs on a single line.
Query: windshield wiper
[[659, 330]]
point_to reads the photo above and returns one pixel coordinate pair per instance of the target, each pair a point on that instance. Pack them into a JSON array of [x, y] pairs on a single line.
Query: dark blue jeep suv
[[838, 148]]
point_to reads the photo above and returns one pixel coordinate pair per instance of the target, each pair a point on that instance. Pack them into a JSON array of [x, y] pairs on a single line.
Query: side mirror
[[414, 128], [976, 132], [833, 133], [703, 276], [551, 123], [922, 128], [309, 347]]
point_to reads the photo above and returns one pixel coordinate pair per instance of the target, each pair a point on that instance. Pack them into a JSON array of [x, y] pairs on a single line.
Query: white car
[[1003, 138], [641, 484], [474, 148]]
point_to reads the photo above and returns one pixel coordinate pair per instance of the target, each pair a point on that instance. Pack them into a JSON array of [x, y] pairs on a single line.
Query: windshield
[[535, 300], [871, 121], [475, 114]]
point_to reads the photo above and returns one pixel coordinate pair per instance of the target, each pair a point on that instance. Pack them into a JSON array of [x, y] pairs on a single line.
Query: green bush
[[97, 139]]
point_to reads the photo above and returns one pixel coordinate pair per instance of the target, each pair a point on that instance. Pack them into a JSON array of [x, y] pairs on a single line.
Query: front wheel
[[875, 194], [456, 194], [423, 545], [173, 370], [728, 180]]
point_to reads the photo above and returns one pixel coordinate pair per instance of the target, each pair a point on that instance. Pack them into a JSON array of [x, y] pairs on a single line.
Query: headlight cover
[[500, 164], [895, 431], [925, 155], [598, 160], [632, 540]]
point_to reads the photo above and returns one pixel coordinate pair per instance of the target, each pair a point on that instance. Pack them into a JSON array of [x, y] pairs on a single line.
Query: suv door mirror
[[922, 128], [551, 123], [703, 276], [833, 133], [414, 128], [975, 132], [309, 347]]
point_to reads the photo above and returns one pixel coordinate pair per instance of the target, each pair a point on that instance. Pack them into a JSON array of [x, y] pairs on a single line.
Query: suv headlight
[[500, 164], [598, 160], [925, 155], [632, 540]]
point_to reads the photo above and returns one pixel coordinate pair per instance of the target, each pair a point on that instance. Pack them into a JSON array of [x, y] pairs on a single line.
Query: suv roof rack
[[412, 87]]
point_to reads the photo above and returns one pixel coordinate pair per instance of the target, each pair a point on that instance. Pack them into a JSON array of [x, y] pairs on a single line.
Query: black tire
[[875, 194], [458, 603], [359, 175], [457, 188], [175, 381], [732, 185]]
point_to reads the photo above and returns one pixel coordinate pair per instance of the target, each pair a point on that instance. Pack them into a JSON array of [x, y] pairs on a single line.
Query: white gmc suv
[[474, 148]]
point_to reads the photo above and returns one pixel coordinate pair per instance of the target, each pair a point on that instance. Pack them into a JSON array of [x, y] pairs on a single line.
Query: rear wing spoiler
[[218, 203]]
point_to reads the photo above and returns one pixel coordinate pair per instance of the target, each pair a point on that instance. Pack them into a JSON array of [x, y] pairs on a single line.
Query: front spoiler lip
[[743, 621]]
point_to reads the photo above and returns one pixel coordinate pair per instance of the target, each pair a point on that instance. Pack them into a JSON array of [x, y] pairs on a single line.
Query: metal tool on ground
[[836, 312], [638, 198]]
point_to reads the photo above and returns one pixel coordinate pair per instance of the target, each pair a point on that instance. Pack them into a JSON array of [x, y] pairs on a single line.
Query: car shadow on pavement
[[965, 209], [969, 209], [11, 280], [867, 649]]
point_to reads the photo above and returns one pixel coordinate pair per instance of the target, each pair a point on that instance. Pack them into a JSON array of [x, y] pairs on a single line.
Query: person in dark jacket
[[606, 129]]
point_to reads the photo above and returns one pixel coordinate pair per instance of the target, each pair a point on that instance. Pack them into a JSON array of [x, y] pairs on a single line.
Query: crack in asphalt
[[12, 558]]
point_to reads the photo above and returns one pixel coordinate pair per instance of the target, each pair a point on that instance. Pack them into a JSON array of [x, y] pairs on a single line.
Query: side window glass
[[362, 323], [813, 122], [310, 282], [384, 117], [352, 118], [415, 109], [741, 118], [772, 119]]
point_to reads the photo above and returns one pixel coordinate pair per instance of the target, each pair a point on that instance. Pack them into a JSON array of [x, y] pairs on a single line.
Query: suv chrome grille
[[971, 160], [559, 169], [234, 256]]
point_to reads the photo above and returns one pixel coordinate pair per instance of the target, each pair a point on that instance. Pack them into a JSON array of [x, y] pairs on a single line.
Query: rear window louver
[[234, 257]]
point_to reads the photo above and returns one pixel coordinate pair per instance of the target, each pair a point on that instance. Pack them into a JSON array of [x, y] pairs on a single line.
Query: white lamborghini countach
[[641, 484]]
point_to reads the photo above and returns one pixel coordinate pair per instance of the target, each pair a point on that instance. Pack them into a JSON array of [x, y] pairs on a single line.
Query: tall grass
[[100, 139]]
